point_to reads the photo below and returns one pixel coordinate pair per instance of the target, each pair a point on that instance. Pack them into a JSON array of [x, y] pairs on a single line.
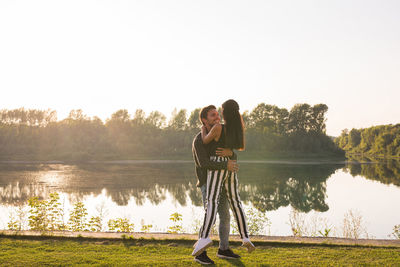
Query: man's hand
[[224, 152], [232, 166]]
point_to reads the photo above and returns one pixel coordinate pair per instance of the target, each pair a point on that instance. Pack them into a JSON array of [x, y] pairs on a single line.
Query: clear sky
[[101, 56]]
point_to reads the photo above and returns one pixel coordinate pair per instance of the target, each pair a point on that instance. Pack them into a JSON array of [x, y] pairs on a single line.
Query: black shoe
[[227, 254], [203, 258]]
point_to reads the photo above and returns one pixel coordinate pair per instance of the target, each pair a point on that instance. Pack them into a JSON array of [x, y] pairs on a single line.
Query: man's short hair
[[204, 111]]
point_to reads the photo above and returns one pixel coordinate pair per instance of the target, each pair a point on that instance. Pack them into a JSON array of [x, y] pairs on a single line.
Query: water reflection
[[19, 182], [269, 187], [266, 186], [386, 172], [151, 190]]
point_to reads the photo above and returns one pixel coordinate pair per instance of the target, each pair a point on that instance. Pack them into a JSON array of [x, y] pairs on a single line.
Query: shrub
[[176, 227], [120, 225]]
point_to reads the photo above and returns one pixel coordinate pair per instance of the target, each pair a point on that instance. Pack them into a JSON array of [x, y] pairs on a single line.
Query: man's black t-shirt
[[201, 156]]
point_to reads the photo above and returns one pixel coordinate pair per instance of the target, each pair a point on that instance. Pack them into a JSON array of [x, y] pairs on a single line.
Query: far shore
[[292, 158], [166, 161]]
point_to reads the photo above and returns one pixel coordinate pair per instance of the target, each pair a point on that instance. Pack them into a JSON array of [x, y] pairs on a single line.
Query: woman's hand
[[224, 152], [214, 133], [216, 123]]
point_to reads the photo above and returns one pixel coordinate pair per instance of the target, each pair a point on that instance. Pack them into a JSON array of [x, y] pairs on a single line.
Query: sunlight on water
[[150, 193]]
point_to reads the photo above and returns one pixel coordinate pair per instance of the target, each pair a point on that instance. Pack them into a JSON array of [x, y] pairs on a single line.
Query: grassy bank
[[38, 251]]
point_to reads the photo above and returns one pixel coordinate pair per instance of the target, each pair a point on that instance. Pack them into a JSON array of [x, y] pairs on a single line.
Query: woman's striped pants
[[218, 180]]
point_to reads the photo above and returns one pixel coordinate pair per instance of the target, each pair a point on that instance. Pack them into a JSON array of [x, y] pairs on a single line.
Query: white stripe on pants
[[215, 180]]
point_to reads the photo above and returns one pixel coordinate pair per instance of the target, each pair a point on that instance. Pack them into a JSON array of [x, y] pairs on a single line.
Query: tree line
[[376, 141], [38, 135]]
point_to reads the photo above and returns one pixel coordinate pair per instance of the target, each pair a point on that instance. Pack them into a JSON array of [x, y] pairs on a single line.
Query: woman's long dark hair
[[234, 126]]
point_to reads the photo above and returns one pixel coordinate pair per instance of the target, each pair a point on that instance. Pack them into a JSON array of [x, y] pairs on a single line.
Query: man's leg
[[204, 198], [203, 189], [214, 184], [224, 220], [215, 179], [224, 216], [203, 258]]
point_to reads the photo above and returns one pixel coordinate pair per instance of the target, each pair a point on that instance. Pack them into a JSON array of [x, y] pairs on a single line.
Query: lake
[[317, 195]]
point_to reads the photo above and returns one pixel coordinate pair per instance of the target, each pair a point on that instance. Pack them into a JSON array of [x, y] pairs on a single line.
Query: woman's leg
[[231, 185]]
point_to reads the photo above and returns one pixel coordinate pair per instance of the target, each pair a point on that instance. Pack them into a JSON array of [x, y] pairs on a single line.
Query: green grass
[[19, 251]]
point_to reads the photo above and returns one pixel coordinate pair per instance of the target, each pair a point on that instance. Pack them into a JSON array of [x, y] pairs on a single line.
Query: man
[[208, 117]]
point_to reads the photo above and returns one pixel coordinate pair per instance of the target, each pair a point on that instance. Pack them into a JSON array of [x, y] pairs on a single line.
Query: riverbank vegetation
[[49, 215], [381, 141], [270, 131]]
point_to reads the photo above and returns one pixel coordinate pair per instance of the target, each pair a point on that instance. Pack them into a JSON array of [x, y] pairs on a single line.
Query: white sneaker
[[247, 244], [201, 245]]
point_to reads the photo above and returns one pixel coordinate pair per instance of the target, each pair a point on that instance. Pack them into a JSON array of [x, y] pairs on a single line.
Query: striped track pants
[[218, 180]]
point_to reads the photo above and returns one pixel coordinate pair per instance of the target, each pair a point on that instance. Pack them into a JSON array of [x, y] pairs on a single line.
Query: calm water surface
[[149, 192]]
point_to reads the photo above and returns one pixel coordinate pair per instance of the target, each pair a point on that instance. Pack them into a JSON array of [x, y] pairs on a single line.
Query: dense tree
[[380, 141], [30, 117], [178, 120], [354, 137], [139, 118], [36, 134], [318, 120], [194, 120], [156, 119], [121, 115], [300, 118]]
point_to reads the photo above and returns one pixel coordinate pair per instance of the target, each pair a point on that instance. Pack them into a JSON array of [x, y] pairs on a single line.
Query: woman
[[230, 135]]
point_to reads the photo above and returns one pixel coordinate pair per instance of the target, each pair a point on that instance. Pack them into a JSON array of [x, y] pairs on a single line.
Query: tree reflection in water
[[384, 171], [266, 186], [271, 186]]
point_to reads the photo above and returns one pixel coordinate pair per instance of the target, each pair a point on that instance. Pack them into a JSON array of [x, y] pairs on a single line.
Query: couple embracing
[[216, 170]]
